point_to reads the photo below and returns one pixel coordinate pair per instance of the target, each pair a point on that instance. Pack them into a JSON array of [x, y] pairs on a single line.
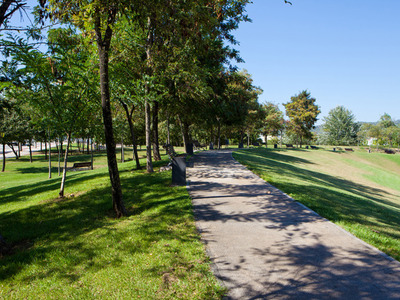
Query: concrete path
[[263, 245]]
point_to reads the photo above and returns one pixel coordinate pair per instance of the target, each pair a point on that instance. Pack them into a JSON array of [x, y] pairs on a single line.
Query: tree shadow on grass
[[80, 231], [290, 268], [272, 162], [337, 199], [23, 192]]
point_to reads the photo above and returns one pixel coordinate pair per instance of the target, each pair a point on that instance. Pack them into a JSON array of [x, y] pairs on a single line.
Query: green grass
[[75, 248], [359, 191]]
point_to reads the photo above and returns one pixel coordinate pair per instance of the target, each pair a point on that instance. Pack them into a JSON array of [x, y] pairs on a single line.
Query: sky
[[343, 52]]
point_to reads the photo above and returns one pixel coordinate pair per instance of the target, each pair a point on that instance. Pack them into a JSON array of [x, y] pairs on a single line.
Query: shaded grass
[[369, 211], [74, 248]]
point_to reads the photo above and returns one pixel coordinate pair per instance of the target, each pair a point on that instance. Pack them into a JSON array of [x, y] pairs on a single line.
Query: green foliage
[[303, 113], [273, 122], [340, 127]]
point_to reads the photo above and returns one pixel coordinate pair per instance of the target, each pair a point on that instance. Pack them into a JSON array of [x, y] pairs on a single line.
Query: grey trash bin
[[179, 170]]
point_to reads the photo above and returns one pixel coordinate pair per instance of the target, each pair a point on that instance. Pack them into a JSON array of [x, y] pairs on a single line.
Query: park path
[[264, 245]]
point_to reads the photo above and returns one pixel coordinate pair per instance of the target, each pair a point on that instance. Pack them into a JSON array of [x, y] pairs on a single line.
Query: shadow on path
[[266, 246]]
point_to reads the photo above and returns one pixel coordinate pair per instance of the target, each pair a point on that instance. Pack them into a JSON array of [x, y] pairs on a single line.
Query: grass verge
[[359, 191], [74, 248]]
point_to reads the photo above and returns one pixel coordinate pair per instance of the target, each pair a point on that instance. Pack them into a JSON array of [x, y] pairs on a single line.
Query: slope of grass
[[74, 248], [358, 191]]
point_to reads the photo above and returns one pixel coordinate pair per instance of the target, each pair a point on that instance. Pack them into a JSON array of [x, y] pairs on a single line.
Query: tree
[[389, 128], [341, 127], [302, 112], [98, 18], [273, 121], [8, 8]]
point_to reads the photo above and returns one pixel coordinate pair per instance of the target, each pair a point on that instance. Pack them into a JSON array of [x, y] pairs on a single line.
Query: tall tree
[[302, 112], [98, 18], [341, 127]]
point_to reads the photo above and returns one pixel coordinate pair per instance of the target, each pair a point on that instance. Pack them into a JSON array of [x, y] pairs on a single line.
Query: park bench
[[314, 147], [81, 165], [256, 144], [389, 151], [348, 149], [199, 146], [289, 145]]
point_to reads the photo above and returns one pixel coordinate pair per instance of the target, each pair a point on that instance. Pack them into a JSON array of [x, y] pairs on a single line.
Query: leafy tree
[[389, 128], [302, 112], [341, 127], [273, 121]]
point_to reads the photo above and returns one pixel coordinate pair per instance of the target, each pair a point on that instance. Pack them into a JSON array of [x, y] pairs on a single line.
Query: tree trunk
[[149, 164], [19, 149], [49, 158], [45, 148], [156, 144], [122, 151], [4, 157], [149, 44], [91, 153], [266, 140], [13, 150], [87, 147], [129, 118], [168, 132], [248, 139], [30, 151], [219, 135], [103, 46], [59, 158], [64, 176]]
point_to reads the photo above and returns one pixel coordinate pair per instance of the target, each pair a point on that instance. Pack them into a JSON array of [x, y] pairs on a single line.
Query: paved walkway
[[266, 246]]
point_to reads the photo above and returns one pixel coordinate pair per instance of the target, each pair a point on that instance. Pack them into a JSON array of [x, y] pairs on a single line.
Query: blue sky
[[343, 52]]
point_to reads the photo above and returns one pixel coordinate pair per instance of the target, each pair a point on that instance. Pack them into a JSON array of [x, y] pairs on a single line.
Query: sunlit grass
[[358, 191], [75, 248]]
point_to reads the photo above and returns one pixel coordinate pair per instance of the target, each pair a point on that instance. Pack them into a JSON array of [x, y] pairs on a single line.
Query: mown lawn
[[75, 248], [359, 191]]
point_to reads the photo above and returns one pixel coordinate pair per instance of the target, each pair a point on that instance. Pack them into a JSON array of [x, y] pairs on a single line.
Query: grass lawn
[[359, 191], [75, 248]]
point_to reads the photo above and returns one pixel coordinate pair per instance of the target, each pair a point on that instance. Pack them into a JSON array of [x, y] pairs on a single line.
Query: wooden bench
[[348, 149], [314, 147], [81, 165], [289, 145], [256, 144]]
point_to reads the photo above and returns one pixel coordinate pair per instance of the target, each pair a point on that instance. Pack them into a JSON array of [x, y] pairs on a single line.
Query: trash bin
[[240, 145], [179, 170], [275, 146], [189, 149]]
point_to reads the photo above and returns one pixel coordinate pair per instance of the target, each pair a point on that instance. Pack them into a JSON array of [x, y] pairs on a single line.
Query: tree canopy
[[341, 127], [302, 112]]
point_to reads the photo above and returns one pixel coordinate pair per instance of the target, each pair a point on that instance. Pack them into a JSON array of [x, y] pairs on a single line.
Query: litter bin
[[240, 145], [189, 149], [275, 146], [179, 170]]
